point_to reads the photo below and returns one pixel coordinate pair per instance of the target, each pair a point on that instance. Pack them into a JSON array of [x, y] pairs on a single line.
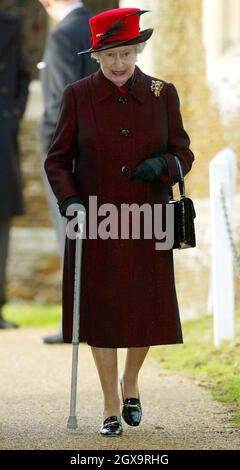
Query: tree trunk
[[179, 57]]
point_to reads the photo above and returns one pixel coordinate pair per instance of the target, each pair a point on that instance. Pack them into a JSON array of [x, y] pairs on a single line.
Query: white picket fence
[[223, 171]]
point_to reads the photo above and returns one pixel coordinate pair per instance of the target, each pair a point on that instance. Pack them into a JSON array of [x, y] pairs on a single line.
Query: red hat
[[115, 28]]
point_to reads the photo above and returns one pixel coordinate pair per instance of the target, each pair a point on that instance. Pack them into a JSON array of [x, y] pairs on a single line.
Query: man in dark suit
[[61, 65], [14, 81]]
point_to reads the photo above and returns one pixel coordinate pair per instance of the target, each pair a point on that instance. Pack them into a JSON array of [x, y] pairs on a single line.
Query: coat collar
[[104, 90]]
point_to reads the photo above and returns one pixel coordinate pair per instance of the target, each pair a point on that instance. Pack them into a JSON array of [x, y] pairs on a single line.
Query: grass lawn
[[217, 369], [33, 315]]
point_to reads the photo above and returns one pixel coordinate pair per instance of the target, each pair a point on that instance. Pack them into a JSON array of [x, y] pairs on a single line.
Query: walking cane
[[72, 419]]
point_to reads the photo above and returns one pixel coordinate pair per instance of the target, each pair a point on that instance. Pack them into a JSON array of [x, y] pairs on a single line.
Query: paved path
[[34, 390]]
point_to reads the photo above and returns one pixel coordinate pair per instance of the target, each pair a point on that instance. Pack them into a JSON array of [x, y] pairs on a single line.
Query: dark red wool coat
[[128, 296]]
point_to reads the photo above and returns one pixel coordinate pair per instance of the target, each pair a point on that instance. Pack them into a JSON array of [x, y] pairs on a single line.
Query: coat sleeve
[[63, 68], [66, 66], [178, 139], [59, 164]]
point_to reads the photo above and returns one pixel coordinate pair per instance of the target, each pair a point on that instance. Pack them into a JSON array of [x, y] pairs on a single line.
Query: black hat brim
[[142, 37]]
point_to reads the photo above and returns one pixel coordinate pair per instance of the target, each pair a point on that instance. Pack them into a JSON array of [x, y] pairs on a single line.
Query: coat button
[[125, 132], [125, 169], [2, 66]]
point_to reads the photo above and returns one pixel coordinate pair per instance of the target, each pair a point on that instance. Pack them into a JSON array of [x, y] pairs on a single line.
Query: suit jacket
[[128, 296], [14, 81], [62, 65]]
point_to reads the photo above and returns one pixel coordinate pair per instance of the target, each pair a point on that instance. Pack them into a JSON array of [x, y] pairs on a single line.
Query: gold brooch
[[156, 87]]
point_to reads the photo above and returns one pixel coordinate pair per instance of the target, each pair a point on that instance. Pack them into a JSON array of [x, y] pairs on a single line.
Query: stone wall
[[179, 58], [34, 270]]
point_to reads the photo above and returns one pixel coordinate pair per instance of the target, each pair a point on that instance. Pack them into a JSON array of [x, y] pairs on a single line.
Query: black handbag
[[184, 214]]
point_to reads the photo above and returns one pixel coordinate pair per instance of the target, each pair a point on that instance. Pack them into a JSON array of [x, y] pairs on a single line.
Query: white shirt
[[69, 9]]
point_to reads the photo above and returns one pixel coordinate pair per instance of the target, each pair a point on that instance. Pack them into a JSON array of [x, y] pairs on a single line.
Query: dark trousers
[[4, 244]]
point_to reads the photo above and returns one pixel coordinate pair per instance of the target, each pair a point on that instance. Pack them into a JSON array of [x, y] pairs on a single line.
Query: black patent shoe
[[131, 410], [53, 339], [111, 426]]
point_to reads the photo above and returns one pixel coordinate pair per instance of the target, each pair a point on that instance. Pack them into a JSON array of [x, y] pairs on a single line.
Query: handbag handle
[[181, 183]]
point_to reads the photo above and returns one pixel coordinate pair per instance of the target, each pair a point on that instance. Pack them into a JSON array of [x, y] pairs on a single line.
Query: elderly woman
[[116, 138]]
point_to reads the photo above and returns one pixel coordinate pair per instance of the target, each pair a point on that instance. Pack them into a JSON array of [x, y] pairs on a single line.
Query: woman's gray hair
[[139, 49]]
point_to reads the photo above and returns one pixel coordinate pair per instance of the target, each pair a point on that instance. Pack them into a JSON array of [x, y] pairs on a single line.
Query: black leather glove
[[66, 203], [150, 169]]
